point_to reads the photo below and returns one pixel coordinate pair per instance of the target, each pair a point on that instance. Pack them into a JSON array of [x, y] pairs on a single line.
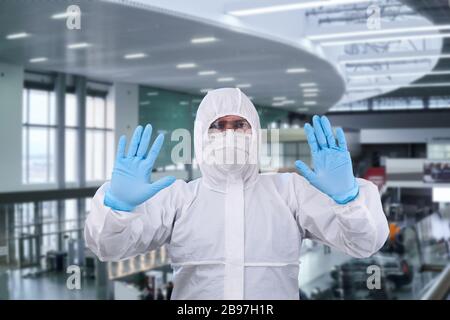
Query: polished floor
[[30, 284]]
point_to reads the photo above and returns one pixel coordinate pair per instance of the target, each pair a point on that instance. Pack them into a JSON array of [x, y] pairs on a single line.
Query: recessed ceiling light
[[309, 90], [278, 103], [203, 40], [19, 35], [206, 73], [184, 103], [310, 95], [296, 70], [308, 84], [137, 55], [188, 65], [152, 93], [38, 59], [62, 15], [244, 85], [291, 6], [309, 103], [144, 103], [79, 45], [65, 15], [205, 90], [302, 109], [279, 98], [225, 79]]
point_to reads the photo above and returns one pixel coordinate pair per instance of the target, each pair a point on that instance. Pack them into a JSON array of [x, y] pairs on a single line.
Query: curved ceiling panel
[[377, 46], [113, 32]]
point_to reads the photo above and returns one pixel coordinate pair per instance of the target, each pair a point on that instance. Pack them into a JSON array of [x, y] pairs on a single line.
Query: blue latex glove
[[333, 172], [130, 183]]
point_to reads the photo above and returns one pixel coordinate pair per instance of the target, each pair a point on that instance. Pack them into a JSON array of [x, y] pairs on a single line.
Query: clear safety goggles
[[221, 125]]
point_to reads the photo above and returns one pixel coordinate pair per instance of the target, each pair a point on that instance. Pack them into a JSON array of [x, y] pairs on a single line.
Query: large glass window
[[49, 221], [384, 104], [439, 102], [292, 151], [99, 139], [354, 106], [398, 103], [439, 151], [39, 138], [40, 227], [39, 133], [71, 215]]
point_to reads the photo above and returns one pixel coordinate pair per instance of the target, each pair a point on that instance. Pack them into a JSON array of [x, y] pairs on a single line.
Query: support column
[[370, 104], [60, 95], [11, 87], [81, 216], [124, 97], [104, 286], [10, 235], [3, 233], [426, 102], [60, 207], [80, 92], [37, 236]]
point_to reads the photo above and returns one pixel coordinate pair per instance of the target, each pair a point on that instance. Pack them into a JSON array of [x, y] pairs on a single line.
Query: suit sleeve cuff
[[348, 197], [115, 204]]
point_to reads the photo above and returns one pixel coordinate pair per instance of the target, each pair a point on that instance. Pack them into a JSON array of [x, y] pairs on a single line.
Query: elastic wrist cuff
[[353, 194], [115, 204]]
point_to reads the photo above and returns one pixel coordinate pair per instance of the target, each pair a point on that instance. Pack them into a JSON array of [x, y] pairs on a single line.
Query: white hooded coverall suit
[[236, 236]]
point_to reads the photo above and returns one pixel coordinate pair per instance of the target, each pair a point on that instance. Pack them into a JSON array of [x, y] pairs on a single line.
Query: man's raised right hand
[[130, 183]]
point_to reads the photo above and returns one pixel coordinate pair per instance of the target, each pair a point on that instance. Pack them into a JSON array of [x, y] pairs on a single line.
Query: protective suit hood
[[218, 103]]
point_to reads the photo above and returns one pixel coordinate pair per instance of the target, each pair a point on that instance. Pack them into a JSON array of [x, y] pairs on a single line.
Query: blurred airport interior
[[75, 75]]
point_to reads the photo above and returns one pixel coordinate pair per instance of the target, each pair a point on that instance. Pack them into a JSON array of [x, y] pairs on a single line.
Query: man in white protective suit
[[234, 233]]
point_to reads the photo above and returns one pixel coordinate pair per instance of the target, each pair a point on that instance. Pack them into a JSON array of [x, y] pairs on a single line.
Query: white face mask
[[229, 150]]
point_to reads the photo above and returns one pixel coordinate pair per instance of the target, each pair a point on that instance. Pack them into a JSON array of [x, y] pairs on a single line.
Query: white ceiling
[[115, 30], [341, 20]]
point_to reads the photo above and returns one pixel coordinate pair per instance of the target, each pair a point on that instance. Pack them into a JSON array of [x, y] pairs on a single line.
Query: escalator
[[412, 265]]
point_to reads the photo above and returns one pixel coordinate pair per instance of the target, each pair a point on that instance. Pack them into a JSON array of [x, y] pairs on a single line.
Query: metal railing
[[46, 195], [9, 203], [29, 228], [440, 289]]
